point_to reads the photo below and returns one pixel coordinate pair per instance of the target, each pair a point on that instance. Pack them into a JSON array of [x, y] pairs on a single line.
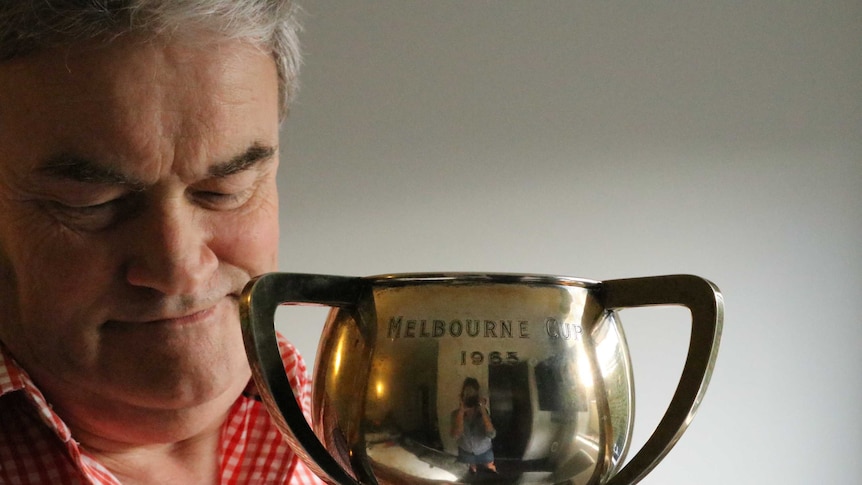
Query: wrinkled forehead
[[32, 28], [140, 97], [35, 25], [84, 71], [82, 58], [131, 75]]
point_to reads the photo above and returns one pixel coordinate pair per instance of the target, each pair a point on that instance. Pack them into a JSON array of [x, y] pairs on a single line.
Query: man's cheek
[[251, 242]]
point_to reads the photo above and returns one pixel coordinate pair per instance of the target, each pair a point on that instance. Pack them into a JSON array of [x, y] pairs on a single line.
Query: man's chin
[[190, 393], [173, 382]]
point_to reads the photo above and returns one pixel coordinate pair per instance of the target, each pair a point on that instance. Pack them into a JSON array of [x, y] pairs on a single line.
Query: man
[[138, 156]]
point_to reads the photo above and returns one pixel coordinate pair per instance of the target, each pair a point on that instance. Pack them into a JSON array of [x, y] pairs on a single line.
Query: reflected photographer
[[473, 429]]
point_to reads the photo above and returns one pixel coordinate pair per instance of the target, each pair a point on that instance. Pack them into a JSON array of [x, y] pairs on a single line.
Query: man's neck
[[187, 452], [142, 446], [143, 440], [194, 460]]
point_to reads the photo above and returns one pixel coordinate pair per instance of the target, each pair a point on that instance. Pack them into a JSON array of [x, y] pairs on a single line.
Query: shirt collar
[[14, 378]]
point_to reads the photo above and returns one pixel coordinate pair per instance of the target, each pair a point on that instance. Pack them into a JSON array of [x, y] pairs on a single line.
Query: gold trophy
[[475, 378]]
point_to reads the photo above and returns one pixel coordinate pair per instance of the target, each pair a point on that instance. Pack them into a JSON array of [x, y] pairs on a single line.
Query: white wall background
[[603, 140]]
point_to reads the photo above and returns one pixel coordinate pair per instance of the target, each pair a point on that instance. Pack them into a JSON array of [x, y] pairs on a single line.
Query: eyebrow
[[254, 155], [81, 169]]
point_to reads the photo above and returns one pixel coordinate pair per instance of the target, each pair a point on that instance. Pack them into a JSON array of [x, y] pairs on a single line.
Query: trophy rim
[[396, 279]]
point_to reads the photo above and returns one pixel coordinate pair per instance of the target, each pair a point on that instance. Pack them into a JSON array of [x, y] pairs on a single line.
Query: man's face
[[137, 197]]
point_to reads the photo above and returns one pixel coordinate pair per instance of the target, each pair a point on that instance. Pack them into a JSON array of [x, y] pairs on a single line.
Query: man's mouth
[[190, 318], [197, 315]]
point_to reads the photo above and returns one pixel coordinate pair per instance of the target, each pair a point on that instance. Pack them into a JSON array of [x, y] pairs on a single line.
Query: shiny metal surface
[[548, 353]]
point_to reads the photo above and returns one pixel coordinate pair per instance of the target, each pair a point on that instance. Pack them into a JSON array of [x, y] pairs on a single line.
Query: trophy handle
[[707, 311], [258, 303]]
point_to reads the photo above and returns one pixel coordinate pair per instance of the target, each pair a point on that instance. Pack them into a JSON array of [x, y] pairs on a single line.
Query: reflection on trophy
[[475, 378]]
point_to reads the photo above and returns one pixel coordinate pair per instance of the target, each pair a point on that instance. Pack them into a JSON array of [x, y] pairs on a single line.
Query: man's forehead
[[115, 127], [87, 59], [103, 71]]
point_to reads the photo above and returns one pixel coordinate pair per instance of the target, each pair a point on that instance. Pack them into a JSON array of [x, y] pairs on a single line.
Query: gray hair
[[30, 25]]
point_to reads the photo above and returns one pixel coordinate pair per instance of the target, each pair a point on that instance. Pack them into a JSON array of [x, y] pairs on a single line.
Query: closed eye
[[215, 200], [93, 217]]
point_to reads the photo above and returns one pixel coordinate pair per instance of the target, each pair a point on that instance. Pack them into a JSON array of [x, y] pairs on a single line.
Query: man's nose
[[171, 250]]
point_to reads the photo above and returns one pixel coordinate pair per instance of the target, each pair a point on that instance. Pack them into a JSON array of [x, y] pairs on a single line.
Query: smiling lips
[[187, 319], [180, 319]]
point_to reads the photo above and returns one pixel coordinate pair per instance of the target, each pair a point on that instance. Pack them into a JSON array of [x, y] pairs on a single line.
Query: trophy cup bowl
[[475, 377]]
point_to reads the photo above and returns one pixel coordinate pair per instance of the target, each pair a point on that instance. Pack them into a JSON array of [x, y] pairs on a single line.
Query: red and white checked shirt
[[37, 448]]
